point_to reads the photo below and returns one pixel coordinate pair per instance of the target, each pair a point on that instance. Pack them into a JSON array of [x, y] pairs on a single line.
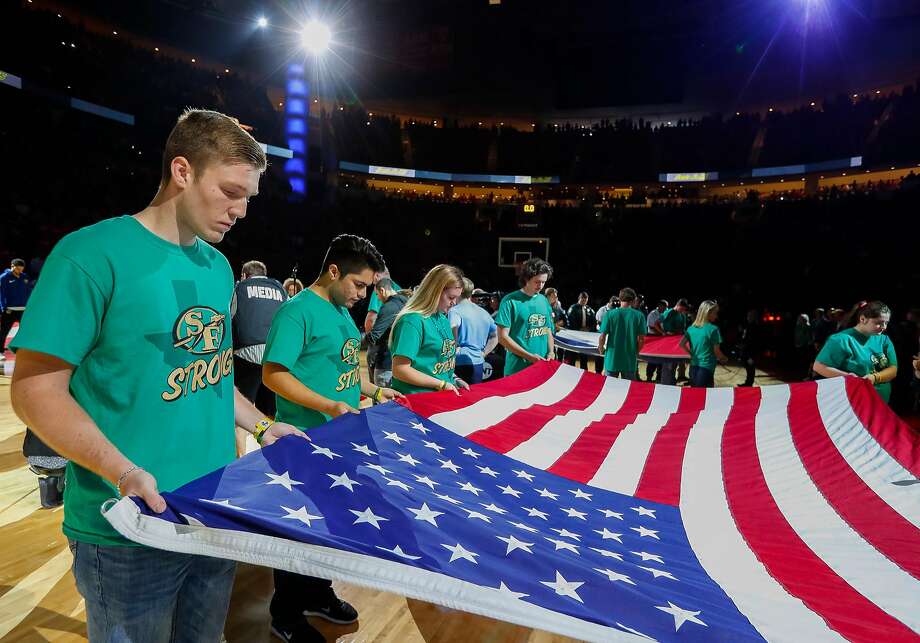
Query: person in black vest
[[256, 297]]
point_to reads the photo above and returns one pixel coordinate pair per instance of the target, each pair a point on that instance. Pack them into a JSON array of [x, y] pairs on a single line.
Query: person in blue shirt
[[476, 335], [15, 288]]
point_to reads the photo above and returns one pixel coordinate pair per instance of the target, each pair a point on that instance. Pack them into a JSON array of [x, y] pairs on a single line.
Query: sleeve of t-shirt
[[407, 337], [493, 329], [454, 317], [640, 325], [549, 313], [832, 354], [505, 310], [374, 304], [716, 337], [890, 352], [604, 323], [286, 338], [65, 313]]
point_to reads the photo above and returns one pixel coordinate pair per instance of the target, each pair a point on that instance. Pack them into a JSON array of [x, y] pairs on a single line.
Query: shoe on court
[[336, 611], [300, 632]]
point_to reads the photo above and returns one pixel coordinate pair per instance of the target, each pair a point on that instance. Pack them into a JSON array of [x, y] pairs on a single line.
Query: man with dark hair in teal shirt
[[312, 364], [525, 319]]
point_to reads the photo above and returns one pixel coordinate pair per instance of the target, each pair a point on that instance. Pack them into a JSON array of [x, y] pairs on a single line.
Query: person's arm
[[685, 344], [602, 343], [378, 393], [640, 341], [720, 356], [404, 372], [552, 347], [247, 417], [369, 320], [829, 371], [504, 338], [279, 380], [491, 343], [40, 396], [379, 326], [883, 376]]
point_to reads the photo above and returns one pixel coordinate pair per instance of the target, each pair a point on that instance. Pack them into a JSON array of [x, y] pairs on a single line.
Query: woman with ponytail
[[702, 340], [422, 342], [861, 349]]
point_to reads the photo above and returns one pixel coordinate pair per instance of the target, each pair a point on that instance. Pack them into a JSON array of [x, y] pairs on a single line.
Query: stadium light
[[316, 37], [262, 22]]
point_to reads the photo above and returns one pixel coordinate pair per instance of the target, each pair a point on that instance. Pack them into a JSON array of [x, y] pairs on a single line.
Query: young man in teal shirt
[[525, 319], [124, 367], [312, 364], [625, 328]]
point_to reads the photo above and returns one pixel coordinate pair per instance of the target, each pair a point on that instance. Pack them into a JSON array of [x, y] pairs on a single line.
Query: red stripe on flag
[[894, 435], [428, 404], [880, 525], [589, 450], [776, 544], [660, 481], [522, 425]]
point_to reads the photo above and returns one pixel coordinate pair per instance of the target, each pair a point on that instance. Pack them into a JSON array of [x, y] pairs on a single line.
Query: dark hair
[[662, 302], [683, 302], [352, 254], [582, 294], [18, 262], [385, 283], [255, 269], [533, 267], [867, 309], [627, 295]]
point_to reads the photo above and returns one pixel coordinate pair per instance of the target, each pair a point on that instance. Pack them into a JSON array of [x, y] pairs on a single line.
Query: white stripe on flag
[[623, 466], [807, 511], [495, 409], [863, 453], [722, 550], [557, 435]]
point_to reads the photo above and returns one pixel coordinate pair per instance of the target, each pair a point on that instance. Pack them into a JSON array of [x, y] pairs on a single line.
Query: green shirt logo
[[350, 351], [200, 331], [448, 347]]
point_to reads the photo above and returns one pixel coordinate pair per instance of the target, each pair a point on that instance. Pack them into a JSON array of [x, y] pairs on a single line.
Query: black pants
[[7, 319], [295, 593], [652, 372], [248, 378], [750, 370], [469, 373]]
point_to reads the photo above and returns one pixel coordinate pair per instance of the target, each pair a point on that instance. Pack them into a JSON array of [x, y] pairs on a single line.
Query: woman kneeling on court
[[422, 342]]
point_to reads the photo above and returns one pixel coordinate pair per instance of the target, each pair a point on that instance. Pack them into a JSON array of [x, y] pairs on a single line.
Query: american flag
[[593, 507]]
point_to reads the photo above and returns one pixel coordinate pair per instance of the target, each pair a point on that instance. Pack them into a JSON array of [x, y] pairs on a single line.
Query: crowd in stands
[[849, 242]]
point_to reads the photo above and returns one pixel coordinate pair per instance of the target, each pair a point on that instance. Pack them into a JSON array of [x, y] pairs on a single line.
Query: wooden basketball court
[[39, 602]]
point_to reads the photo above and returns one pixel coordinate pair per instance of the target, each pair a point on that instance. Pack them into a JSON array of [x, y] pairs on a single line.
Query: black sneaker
[[301, 632], [336, 611]]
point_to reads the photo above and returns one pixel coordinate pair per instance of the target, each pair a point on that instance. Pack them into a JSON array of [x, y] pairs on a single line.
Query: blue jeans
[[144, 595], [702, 377]]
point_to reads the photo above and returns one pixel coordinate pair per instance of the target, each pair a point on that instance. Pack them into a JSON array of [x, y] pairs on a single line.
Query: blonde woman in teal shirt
[[702, 340]]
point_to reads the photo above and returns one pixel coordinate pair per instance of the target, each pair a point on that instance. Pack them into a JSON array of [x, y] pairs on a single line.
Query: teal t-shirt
[[702, 339], [428, 343], [623, 327], [851, 351], [374, 305], [146, 324], [673, 321], [319, 344], [529, 320]]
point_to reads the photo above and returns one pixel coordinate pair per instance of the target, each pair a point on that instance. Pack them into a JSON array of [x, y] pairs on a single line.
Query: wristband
[[262, 426], [441, 385], [124, 476], [377, 394]]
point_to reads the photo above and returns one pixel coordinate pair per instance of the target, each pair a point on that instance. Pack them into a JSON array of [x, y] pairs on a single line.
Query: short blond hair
[[205, 138]]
